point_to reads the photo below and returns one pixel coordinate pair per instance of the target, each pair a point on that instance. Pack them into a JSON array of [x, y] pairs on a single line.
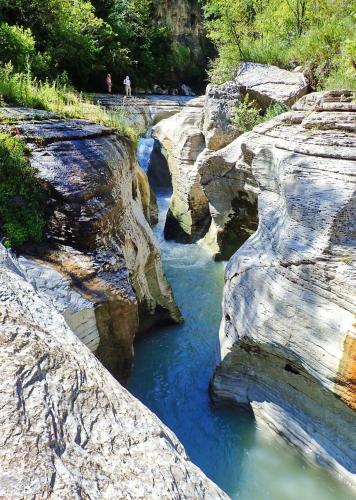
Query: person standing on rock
[[127, 83], [109, 82]]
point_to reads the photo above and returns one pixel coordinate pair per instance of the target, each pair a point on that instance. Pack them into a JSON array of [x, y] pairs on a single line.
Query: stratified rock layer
[[68, 429], [214, 194], [182, 139], [288, 330], [99, 239]]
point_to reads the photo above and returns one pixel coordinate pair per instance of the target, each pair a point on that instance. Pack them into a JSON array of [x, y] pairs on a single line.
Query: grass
[[21, 89]]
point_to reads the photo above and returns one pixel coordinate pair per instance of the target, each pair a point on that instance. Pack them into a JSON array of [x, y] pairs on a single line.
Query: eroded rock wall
[[182, 139], [68, 428], [214, 192], [288, 331], [98, 237]]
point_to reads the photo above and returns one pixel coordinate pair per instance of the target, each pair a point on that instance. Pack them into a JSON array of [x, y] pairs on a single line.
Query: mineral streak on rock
[[288, 330], [69, 430]]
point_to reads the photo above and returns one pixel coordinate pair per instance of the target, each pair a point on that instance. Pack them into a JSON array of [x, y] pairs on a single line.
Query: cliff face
[[288, 331], [99, 240], [185, 19], [182, 139], [68, 428]]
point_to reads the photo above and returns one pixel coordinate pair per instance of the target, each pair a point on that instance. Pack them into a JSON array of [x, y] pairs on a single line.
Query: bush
[[17, 45], [247, 114], [321, 37], [21, 196]]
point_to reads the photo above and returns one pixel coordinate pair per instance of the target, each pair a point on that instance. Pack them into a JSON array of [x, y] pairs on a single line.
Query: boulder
[[218, 127], [288, 330], [68, 428], [268, 84], [182, 139], [186, 90]]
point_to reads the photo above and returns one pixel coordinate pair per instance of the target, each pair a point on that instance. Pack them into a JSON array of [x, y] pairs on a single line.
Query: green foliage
[[348, 260], [16, 45], [246, 114], [68, 35], [25, 90], [21, 197], [274, 110], [320, 35]]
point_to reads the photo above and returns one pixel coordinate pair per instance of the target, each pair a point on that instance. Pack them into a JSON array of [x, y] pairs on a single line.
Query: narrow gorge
[[116, 382]]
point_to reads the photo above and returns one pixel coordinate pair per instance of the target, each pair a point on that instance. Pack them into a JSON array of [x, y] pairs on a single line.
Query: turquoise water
[[172, 370]]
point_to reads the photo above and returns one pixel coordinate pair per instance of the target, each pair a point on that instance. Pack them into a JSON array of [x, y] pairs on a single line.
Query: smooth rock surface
[[143, 111], [182, 139], [231, 189], [99, 239], [68, 429], [268, 84], [288, 331]]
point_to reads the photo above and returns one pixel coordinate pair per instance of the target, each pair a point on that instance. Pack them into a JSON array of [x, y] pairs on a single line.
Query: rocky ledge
[[212, 198], [288, 334], [100, 265], [68, 428]]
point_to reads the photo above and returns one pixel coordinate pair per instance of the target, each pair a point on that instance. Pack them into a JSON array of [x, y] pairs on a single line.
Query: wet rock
[[288, 329], [68, 428]]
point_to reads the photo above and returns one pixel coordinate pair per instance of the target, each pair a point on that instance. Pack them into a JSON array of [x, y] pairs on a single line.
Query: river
[[173, 366]]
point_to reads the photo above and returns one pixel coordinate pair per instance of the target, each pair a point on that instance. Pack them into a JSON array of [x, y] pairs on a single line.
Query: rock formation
[[214, 194], [185, 19], [288, 330], [98, 237], [68, 428], [182, 139], [268, 84]]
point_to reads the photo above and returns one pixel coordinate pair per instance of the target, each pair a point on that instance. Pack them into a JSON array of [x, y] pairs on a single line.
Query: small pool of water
[[171, 375]]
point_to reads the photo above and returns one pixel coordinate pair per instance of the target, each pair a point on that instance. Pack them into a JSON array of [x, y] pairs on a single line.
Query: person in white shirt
[[127, 83]]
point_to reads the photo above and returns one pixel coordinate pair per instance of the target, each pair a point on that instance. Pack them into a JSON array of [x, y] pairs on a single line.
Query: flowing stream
[[173, 366]]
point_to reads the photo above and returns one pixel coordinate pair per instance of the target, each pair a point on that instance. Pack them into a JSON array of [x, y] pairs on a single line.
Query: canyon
[[278, 201]]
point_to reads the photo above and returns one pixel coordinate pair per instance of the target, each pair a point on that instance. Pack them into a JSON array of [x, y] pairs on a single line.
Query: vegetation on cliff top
[[87, 39], [319, 35], [21, 196]]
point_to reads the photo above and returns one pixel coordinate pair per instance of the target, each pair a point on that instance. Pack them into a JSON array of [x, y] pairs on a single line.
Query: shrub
[[246, 115], [21, 196], [17, 45]]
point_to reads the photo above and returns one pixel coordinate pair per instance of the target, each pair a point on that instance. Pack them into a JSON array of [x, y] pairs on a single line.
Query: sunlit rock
[[68, 428], [288, 329]]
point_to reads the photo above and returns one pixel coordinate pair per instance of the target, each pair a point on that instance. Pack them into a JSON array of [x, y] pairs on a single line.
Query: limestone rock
[[231, 190], [99, 239], [143, 111], [68, 428], [219, 130], [182, 138], [267, 84], [288, 330]]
